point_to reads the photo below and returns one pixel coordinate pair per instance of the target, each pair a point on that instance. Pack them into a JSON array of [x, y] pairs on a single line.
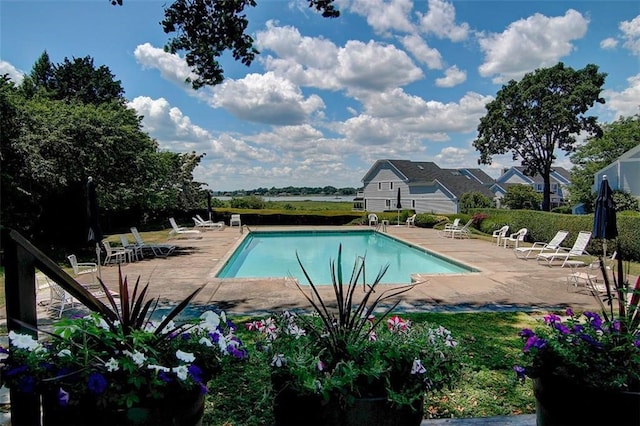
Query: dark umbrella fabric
[[398, 203], [604, 219]]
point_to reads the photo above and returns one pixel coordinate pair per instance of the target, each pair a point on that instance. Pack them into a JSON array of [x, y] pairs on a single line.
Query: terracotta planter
[[185, 409], [559, 402]]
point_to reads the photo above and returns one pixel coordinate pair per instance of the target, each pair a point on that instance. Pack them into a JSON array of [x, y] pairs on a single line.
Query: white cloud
[[172, 67], [419, 48], [15, 74], [527, 44], [265, 98], [609, 43], [452, 77], [626, 102], [453, 157], [631, 34], [440, 20], [385, 16]]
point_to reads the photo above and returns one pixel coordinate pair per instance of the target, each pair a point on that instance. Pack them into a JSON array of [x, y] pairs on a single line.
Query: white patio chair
[[83, 268], [60, 300], [446, 231], [515, 238], [564, 254], [235, 220], [499, 234], [136, 249], [373, 219], [464, 232], [158, 250], [115, 255], [540, 247], [181, 231], [411, 221]]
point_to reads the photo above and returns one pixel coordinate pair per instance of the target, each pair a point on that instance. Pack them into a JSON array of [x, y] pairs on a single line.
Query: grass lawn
[[488, 386]]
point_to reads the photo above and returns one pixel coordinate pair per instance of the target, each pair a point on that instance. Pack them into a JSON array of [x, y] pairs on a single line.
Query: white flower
[[181, 371], [205, 341], [137, 357], [158, 368], [417, 367], [169, 327], [112, 365], [64, 353], [150, 327], [278, 360], [223, 316], [210, 320], [23, 341], [185, 356], [222, 344], [296, 331]]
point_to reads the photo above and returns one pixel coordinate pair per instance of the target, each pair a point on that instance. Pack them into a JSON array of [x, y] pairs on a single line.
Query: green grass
[[488, 386]]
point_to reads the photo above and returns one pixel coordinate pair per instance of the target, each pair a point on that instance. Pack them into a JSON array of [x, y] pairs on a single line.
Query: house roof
[[537, 178], [480, 175], [451, 179]]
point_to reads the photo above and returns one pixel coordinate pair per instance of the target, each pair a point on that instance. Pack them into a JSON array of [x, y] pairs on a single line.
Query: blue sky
[[326, 98]]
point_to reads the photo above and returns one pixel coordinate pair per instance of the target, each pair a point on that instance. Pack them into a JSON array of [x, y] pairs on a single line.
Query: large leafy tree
[[205, 29], [539, 114], [617, 138]]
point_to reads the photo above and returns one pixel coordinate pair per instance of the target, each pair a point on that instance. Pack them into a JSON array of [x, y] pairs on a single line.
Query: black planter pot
[[178, 408], [296, 410], [559, 402]]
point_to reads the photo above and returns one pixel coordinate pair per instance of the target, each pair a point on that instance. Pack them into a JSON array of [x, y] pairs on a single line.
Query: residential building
[[424, 187], [623, 174], [560, 179]]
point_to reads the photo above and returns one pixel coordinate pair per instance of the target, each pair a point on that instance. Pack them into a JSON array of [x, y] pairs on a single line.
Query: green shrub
[[428, 220], [474, 200], [562, 210], [522, 197]]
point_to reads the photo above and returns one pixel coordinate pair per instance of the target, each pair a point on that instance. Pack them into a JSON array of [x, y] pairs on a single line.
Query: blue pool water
[[273, 254]]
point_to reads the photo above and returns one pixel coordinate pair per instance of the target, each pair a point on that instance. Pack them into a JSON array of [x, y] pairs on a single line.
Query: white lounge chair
[[463, 232], [499, 234], [115, 255], [540, 247], [182, 231], [373, 219], [159, 250], [564, 254], [135, 249], [82, 268], [445, 232], [235, 220], [515, 238], [411, 221], [199, 224]]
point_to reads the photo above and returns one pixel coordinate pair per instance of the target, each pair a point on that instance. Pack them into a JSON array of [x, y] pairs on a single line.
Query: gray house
[[623, 174], [560, 179], [424, 187]]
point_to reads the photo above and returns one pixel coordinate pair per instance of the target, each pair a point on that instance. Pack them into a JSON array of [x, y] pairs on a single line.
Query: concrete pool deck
[[503, 283]]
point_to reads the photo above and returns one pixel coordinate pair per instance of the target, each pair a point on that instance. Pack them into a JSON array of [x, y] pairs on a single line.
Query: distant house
[[424, 187], [560, 180], [623, 174]]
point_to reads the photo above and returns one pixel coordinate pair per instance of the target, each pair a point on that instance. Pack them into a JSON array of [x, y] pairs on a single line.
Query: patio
[[503, 283]]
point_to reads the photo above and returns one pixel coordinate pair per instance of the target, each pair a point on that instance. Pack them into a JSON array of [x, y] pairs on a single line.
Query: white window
[[387, 203], [554, 188]]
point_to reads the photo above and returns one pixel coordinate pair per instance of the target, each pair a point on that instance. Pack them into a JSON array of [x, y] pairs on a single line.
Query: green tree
[[540, 113], [206, 29], [520, 196], [617, 138], [625, 201], [473, 200]]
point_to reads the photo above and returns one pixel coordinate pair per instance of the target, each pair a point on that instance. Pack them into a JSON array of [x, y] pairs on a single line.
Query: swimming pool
[[273, 254]]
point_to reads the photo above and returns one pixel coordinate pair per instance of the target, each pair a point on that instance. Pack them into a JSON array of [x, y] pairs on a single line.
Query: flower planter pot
[[185, 409], [290, 410], [559, 402]]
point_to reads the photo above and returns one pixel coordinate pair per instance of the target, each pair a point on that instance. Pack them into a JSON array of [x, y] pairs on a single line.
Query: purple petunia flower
[[616, 326], [569, 312], [97, 383], [520, 372], [215, 337], [594, 320], [551, 319], [534, 342], [590, 340], [3, 350], [563, 329], [526, 333], [196, 372], [165, 377], [637, 343], [203, 388], [185, 336], [16, 370], [63, 397]]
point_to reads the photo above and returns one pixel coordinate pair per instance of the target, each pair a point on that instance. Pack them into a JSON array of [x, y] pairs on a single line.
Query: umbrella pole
[[98, 256], [398, 225]]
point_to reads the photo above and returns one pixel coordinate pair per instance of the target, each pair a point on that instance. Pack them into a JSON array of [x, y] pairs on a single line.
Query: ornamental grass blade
[[175, 311]]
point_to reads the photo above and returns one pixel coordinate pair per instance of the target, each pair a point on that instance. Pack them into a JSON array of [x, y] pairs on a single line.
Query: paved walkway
[[503, 283]]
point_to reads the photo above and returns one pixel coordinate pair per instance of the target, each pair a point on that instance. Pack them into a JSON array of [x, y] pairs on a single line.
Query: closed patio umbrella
[[398, 206], [209, 204], [604, 219], [94, 235]]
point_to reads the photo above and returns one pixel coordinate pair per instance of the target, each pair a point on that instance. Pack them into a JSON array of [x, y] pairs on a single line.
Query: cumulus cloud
[[631, 34], [454, 157], [266, 98], [440, 20], [420, 50], [535, 42], [14, 74], [452, 77], [627, 102], [172, 67], [385, 16], [609, 43]]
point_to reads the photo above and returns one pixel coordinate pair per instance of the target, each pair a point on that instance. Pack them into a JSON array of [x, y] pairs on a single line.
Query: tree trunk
[[546, 192]]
